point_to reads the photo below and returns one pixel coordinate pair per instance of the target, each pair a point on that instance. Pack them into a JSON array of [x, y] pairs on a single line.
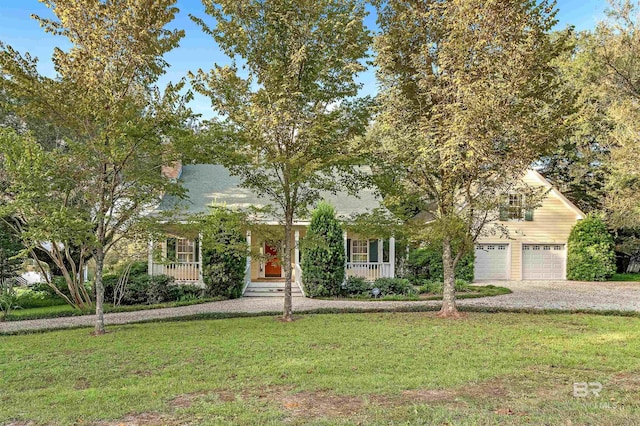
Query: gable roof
[[212, 185], [553, 190]]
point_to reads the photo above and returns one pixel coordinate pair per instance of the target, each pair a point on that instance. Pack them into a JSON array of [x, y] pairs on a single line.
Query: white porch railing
[[298, 278], [182, 272], [369, 271], [247, 276]]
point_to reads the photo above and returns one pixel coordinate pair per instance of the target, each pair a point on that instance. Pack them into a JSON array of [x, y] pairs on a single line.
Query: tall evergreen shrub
[[323, 255]]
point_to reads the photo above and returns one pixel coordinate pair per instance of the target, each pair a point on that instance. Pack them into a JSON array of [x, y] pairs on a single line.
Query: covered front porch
[[181, 258]]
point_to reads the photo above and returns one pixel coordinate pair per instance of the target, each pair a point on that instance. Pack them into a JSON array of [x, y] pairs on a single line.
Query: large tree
[[614, 62], [287, 110], [116, 123], [470, 87], [579, 167]]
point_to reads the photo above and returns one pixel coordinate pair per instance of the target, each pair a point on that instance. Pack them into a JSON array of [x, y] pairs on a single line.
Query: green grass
[[381, 368], [625, 277], [67, 311]]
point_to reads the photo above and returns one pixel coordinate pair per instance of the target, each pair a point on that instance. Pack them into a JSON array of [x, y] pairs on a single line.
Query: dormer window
[[514, 208]]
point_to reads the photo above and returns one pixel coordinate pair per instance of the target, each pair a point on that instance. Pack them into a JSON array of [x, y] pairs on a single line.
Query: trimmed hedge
[[323, 256], [591, 251], [358, 286], [425, 263]]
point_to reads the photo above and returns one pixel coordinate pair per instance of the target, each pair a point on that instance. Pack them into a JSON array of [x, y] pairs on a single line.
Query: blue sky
[[198, 50]]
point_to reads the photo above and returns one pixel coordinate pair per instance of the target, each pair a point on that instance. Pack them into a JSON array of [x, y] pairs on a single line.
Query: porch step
[[270, 289]]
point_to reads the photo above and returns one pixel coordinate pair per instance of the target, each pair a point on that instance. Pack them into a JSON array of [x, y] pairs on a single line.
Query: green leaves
[[323, 254], [470, 98], [591, 255], [285, 114], [95, 184]]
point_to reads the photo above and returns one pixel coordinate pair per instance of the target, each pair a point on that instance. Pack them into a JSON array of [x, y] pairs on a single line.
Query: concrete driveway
[[563, 295]]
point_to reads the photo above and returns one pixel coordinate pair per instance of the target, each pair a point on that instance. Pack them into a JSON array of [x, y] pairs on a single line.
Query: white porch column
[[150, 257], [346, 250], [392, 256], [247, 277], [296, 253], [200, 278], [380, 250]]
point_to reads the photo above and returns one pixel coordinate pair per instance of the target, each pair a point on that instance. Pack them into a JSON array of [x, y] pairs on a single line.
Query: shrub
[[59, 282], [435, 287], [224, 254], [8, 301], [431, 287], [161, 288], [323, 256], [143, 289], [356, 286], [591, 255], [188, 292], [394, 286], [425, 263], [38, 299], [462, 285]]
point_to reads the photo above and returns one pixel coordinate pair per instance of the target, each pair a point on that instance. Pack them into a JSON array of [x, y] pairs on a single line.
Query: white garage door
[[492, 262], [543, 261]]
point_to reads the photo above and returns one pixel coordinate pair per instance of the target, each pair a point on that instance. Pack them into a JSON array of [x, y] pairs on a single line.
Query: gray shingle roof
[[209, 184]]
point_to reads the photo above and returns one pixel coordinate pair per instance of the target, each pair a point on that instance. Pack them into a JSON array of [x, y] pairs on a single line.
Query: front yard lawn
[[382, 368]]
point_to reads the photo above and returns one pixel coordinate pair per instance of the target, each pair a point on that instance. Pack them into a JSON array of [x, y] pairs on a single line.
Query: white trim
[[247, 269], [296, 253], [346, 247], [150, 257], [360, 253], [200, 256], [509, 260], [392, 256]]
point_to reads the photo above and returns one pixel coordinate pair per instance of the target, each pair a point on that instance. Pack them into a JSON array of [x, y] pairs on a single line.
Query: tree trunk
[[287, 314], [99, 286], [448, 309]]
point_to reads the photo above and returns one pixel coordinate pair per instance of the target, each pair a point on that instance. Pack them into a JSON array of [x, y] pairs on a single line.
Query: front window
[[515, 206], [185, 251], [359, 251], [182, 250]]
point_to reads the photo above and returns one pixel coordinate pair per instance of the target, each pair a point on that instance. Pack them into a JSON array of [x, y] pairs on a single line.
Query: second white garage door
[[543, 261], [492, 262]]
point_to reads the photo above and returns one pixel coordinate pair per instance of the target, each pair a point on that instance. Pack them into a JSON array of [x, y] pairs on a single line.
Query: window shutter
[[196, 248], [504, 214], [373, 251], [348, 250], [171, 249], [528, 215]]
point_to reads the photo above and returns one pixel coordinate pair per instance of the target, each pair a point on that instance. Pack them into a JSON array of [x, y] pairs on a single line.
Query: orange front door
[[273, 267]]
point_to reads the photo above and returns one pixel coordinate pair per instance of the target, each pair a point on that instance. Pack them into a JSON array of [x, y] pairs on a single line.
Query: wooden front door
[[273, 267]]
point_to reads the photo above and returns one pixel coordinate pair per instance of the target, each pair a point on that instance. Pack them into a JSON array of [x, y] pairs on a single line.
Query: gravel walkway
[[564, 295]]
